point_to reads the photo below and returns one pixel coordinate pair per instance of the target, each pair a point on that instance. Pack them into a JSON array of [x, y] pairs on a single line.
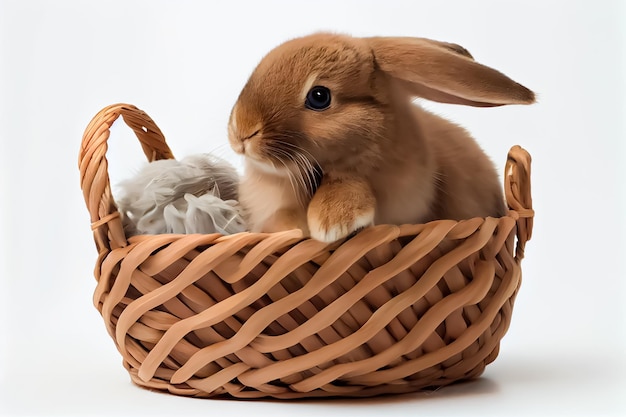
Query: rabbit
[[333, 143]]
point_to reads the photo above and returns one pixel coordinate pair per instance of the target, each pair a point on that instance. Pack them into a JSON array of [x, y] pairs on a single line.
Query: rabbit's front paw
[[331, 230], [340, 207]]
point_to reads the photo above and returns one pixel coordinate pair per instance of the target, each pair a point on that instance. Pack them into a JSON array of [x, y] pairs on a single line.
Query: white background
[[184, 63]]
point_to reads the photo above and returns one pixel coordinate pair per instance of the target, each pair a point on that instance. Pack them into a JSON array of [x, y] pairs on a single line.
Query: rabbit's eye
[[318, 98]]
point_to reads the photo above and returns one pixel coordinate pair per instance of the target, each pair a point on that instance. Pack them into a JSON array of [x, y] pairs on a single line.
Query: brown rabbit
[[332, 142]]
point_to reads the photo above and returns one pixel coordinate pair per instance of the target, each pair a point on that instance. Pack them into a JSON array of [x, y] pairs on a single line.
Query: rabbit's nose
[[250, 136], [245, 140]]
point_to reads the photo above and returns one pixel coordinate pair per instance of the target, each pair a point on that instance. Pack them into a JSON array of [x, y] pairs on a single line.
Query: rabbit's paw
[[340, 207]]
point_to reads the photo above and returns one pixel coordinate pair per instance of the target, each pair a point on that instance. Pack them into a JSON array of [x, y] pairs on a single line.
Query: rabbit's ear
[[458, 49], [446, 73]]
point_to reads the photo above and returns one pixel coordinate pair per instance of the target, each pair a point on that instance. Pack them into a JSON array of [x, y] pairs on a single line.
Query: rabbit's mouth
[[267, 166], [282, 166], [302, 173]]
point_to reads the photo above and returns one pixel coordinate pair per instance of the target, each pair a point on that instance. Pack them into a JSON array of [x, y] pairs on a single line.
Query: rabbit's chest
[[263, 195], [403, 199]]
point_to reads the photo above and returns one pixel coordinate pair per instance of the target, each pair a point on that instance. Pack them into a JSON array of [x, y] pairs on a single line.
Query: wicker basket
[[393, 309]]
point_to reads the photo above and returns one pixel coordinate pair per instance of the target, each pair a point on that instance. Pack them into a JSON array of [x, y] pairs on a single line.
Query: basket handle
[[93, 165], [518, 196]]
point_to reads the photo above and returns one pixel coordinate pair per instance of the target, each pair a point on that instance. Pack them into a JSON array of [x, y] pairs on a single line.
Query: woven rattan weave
[[392, 309]]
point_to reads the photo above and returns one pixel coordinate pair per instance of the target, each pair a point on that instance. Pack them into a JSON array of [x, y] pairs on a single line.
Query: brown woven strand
[[393, 309]]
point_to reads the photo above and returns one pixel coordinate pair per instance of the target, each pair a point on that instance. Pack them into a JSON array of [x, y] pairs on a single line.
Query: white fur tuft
[[195, 195], [339, 231]]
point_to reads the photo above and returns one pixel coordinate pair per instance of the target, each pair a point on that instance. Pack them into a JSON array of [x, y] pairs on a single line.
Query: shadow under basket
[[392, 309]]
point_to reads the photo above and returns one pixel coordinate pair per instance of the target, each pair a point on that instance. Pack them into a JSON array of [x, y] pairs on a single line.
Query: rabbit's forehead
[[293, 64]]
